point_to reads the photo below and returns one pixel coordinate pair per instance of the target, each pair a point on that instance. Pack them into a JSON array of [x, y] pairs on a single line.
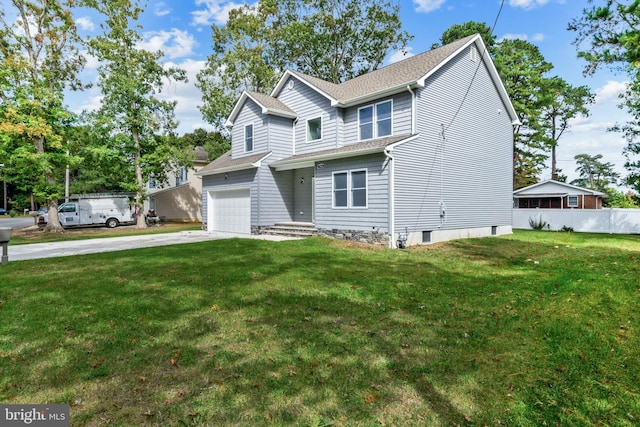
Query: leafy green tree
[[213, 142], [610, 30], [618, 199], [39, 59], [559, 102], [460, 31], [101, 166], [594, 173], [330, 39], [139, 123]]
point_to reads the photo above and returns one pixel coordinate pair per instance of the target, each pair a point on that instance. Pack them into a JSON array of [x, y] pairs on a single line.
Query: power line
[[495, 22]]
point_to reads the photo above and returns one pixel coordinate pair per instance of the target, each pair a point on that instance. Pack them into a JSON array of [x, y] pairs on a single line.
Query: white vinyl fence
[[615, 221]]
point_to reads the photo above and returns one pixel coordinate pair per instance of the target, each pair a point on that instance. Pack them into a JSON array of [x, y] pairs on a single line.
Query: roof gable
[[551, 186], [268, 105], [411, 72]]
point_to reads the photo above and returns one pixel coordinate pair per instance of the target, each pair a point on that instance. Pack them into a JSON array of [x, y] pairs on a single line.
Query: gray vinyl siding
[[375, 216], [234, 181], [309, 104], [401, 117], [279, 136], [470, 170], [250, 113], [274, 196]]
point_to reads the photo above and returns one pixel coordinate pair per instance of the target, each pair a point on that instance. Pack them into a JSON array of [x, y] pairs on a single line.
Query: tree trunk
[[554, 171], [140, 220]]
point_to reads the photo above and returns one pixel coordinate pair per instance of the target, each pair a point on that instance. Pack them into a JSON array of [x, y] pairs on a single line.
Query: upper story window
[[374, 121], [182, 176], [314, 129], [152, 183], [248, 138]]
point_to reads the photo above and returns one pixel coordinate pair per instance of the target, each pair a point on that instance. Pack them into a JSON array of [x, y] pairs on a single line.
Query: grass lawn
[[532, 329]]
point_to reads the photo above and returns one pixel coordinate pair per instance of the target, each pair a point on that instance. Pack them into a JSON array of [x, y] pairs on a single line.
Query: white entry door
[[230, 211]]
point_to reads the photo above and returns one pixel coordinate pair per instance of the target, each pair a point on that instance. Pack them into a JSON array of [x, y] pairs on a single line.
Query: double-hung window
[[248, 138], [572, 201], [374, 121], [350, 189]]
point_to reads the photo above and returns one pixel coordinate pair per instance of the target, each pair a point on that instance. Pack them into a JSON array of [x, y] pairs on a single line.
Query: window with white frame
[[350, 189], [374, 121], [152, 182], [248, 138], [572, 201], [314, 129]]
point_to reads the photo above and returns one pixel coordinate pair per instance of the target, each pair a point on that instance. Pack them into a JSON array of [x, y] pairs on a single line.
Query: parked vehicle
[[3, 212], [109, 209]]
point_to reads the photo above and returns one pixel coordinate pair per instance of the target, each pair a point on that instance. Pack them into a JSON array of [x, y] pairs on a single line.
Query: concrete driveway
[[110, 244]]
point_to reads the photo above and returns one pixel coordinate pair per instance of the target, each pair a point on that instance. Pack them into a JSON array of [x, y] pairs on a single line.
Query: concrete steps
[[294, 229]]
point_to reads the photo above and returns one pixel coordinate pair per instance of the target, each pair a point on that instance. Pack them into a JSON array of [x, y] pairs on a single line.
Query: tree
[[460, 31], [39, 59], [522, 68], [330, 39], [140, 124], [559, 102], [618, 199], [611, 33], [213, 142], [594, 173]]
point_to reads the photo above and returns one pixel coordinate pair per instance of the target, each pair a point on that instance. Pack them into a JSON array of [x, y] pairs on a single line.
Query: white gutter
[[392, 240]]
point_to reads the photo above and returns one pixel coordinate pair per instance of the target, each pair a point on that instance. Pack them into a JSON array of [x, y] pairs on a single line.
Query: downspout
[[293, 146], [392, 240], [413, 110]]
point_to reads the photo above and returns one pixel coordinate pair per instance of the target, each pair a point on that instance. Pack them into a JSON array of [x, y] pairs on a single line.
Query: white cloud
[[175, 43], [527, 4], [215, 12], [161, 9], [428, 5], [187, 95], [400, 55], [610, 91], [85, 23], [513, 36]]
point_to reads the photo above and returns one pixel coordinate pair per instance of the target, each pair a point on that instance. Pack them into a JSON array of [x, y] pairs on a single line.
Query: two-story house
[[180, 199], [421, 148]]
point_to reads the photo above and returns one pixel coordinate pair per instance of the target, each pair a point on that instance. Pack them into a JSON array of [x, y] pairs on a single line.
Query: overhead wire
[[441, 146]]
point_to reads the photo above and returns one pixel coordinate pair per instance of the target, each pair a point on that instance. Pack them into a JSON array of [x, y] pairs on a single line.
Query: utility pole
[[4, 187]]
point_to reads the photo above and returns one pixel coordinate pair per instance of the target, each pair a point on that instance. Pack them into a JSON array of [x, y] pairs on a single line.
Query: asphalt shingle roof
[[399, 74]]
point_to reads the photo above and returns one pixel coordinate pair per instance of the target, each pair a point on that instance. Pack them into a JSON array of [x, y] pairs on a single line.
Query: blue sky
[[182, 29]]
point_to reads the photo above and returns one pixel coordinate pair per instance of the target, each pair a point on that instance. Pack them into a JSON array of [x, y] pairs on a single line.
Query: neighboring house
[[422, 147], [552, 194], [181, 198]]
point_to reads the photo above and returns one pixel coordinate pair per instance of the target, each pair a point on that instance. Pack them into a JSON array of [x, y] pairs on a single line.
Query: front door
[[303, 195]]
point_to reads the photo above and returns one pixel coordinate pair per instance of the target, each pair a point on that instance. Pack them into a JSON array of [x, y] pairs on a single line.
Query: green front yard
[[523, 330]]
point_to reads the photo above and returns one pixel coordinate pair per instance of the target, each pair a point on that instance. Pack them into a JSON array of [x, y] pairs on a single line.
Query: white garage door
[[230, 211]]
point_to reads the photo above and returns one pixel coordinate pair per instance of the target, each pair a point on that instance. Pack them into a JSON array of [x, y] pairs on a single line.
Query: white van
[[110, 210]]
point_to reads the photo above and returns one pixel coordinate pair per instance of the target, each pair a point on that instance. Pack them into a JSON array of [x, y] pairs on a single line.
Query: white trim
[[349, 189], [244, 140], [572, 205], [374, 120], [333, 189], [307, 140]]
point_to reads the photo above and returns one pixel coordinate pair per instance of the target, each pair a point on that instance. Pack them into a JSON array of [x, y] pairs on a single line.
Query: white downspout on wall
[[413, 110], [392, 219]]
